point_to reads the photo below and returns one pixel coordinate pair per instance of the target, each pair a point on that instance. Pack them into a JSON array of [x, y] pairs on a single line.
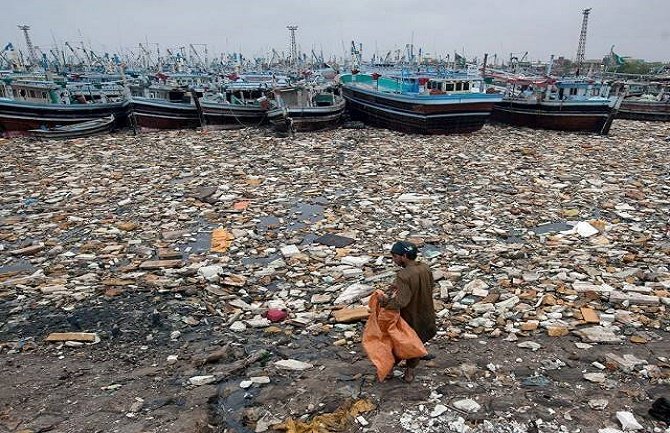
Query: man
[[413, 296]]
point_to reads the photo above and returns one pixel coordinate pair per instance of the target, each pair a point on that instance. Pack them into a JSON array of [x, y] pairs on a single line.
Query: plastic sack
[[387, 338]]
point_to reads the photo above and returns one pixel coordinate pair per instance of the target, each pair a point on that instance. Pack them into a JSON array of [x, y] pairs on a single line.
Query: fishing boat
[[455, 103], [26, 105], [165, 107], [578, 105], [307, 108], [239, 103], [76, 130], [653, 103]]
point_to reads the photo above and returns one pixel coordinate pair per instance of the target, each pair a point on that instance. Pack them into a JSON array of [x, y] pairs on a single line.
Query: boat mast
[[581, 48], [294, 48], [31, 50]]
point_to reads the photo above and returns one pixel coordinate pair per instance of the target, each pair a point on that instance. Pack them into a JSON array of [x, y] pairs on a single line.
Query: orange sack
[[388, 337]]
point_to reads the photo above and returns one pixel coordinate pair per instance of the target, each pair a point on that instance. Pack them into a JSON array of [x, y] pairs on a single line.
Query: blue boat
[[423, 104]]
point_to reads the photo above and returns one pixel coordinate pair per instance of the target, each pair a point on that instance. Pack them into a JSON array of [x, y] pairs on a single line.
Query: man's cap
[[404, 248]]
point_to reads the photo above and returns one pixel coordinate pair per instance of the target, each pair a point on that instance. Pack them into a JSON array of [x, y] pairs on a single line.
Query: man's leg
[[410, 365]]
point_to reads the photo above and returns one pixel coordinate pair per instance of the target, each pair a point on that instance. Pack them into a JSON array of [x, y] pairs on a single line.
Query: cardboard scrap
[[590, 315], [221, 240]]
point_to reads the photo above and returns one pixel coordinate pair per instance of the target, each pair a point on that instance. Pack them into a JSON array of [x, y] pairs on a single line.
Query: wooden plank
[[72, 336], [347, 315]]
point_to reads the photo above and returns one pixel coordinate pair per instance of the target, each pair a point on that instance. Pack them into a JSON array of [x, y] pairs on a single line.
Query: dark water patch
[[430, 251], [18, 267], [551, 227], [304, 213], [201, 244], [309, 239], [333, 240], [126, 318], [262, 261], [267, 223]]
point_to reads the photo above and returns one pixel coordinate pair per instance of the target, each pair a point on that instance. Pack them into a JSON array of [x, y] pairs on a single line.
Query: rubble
[[550, 252]]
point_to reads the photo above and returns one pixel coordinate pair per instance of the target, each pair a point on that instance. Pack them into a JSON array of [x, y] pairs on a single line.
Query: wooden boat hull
[[576, 117], [19, 117], [77, 130], [215, 113], [159, 114], [308, 118], [645, 110], [416, 116]]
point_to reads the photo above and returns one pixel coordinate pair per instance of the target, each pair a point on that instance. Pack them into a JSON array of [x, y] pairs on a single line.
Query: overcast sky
[[637, 28]]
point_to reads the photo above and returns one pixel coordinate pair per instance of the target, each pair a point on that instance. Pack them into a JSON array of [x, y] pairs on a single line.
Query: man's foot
[[408, 377]]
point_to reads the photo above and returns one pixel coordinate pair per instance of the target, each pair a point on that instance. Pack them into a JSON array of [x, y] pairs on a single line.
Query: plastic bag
[[387, 338]]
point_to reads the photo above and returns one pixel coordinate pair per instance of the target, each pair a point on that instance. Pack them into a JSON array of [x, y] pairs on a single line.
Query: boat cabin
[[39, 92], [458, 84], [436, 86], [580, 89], [296, 97], [557, 90], [241, 92], [188, 80], [97, 92], [162, 92]]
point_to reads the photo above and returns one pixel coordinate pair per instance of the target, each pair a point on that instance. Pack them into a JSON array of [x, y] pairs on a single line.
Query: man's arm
[[403, 294]]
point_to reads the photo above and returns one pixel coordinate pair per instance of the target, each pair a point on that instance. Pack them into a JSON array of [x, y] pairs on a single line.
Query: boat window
[[459, 86], [32, 94], [44, 94], [449, 87], [466, 86]]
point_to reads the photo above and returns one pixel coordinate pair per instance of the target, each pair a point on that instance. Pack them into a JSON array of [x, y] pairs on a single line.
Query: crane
[[147, 54], [56, 59], [316, 58], [9, 47], [74, 53], [195, 53]]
